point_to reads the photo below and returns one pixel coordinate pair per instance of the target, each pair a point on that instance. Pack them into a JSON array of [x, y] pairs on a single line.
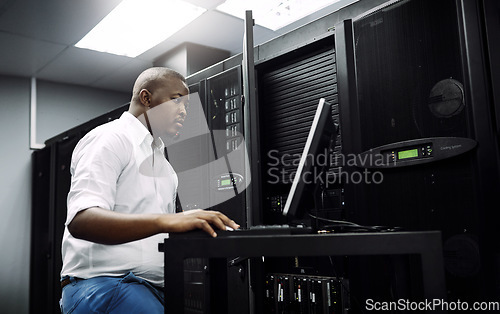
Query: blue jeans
[[127, 294]]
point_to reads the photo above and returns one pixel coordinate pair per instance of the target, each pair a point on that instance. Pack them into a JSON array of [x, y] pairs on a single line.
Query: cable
[[352, 225]]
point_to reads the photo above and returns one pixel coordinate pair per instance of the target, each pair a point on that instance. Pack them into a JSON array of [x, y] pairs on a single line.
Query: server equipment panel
[[289, 89], [292, 293], [415, 90]]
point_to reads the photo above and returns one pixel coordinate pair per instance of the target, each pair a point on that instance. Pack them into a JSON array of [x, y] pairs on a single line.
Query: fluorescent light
[[274, 14], [135, 26]]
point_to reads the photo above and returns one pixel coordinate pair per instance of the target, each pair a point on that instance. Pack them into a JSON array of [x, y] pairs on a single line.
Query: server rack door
[[51, 183], [40, 293], [228, 177], [289, 90], [226, 124], [418, 72]]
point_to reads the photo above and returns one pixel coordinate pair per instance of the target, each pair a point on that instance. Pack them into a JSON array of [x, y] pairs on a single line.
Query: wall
[[60, 107]]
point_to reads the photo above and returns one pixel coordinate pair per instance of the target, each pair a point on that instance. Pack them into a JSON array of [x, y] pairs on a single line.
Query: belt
[[67, 281]]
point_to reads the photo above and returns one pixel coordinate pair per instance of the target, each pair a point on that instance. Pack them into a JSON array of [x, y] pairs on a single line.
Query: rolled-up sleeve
[[96, 164]]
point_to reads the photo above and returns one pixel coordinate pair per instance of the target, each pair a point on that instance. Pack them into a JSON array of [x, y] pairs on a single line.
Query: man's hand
[[197, 219], [108, 227]]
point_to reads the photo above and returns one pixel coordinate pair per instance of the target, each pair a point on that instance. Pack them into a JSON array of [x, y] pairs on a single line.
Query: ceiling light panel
[[136, 26], [274, 14]]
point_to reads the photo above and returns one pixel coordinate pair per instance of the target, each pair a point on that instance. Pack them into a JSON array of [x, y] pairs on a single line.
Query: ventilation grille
[[289, 95]]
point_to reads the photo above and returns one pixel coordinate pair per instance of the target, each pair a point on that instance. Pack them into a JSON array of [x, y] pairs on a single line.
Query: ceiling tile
[[22, 56], [81, 66], [58, 21], [123, 79], [207, 4], [227, 28], [37, 38], [5, 5], [159, 49]]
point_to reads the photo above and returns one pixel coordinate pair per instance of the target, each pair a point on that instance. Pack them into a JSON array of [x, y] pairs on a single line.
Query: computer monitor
[[321, 133]]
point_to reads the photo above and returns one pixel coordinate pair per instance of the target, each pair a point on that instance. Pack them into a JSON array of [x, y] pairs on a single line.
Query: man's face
[[168, 108]]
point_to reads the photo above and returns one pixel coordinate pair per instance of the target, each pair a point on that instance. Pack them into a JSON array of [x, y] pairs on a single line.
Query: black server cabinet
[[225, 112], [413, 70], [193, 154], [289, 88], [190, 152], [219, 183], [41, 289], [51, 183], [226, 122], [206, 181]]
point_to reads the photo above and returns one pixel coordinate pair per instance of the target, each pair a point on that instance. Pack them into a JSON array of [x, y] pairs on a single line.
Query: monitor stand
[[320, 189]]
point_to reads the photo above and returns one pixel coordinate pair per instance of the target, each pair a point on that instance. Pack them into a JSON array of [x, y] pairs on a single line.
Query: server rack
[[51, 183], [289, 89], [222, 101], [418, 71]]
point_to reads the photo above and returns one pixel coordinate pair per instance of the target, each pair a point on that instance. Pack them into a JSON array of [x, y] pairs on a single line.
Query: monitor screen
[[323, 130]]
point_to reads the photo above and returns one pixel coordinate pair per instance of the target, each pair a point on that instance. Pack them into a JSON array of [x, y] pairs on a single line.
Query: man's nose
[[183, 111]]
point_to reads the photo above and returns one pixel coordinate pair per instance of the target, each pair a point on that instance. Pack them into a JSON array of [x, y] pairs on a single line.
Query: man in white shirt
[[122, 201]]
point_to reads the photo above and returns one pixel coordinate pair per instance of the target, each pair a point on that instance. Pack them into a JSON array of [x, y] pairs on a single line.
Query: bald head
[[152, 79]]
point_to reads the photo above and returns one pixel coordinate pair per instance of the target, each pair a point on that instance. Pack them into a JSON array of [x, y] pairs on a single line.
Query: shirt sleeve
[[96, 164]]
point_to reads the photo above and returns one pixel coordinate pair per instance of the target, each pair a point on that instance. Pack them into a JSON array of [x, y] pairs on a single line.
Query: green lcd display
[[410, 153], [225, 182]]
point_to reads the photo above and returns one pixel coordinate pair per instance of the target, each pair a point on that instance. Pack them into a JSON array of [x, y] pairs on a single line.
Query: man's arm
[[107, 227]]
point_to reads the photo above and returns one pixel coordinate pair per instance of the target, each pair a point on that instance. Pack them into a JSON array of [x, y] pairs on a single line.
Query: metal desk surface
[[427, 244]]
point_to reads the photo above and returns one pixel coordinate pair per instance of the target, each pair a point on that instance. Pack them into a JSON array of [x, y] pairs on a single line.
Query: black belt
[[67, 281]]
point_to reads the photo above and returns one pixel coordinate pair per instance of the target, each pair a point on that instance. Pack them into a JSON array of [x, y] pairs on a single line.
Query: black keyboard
[[251, 231]]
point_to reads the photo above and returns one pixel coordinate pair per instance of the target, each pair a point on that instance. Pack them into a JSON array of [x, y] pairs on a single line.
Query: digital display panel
[[410, 153], [225, 182]]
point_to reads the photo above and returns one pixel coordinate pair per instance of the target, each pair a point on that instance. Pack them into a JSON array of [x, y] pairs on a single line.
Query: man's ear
[[145, 97]]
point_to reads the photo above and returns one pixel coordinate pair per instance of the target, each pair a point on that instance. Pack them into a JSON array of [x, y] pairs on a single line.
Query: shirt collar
[[140, 133], [158, 143], [137, 130]]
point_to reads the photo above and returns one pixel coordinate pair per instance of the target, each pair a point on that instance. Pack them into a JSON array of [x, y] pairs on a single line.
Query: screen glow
[[408, 153]]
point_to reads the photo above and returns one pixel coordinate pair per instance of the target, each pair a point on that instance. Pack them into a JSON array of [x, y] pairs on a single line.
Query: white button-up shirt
[[118, 166]]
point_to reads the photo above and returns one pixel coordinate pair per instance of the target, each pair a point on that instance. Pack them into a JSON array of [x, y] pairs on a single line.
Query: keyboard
[[251, 231]]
